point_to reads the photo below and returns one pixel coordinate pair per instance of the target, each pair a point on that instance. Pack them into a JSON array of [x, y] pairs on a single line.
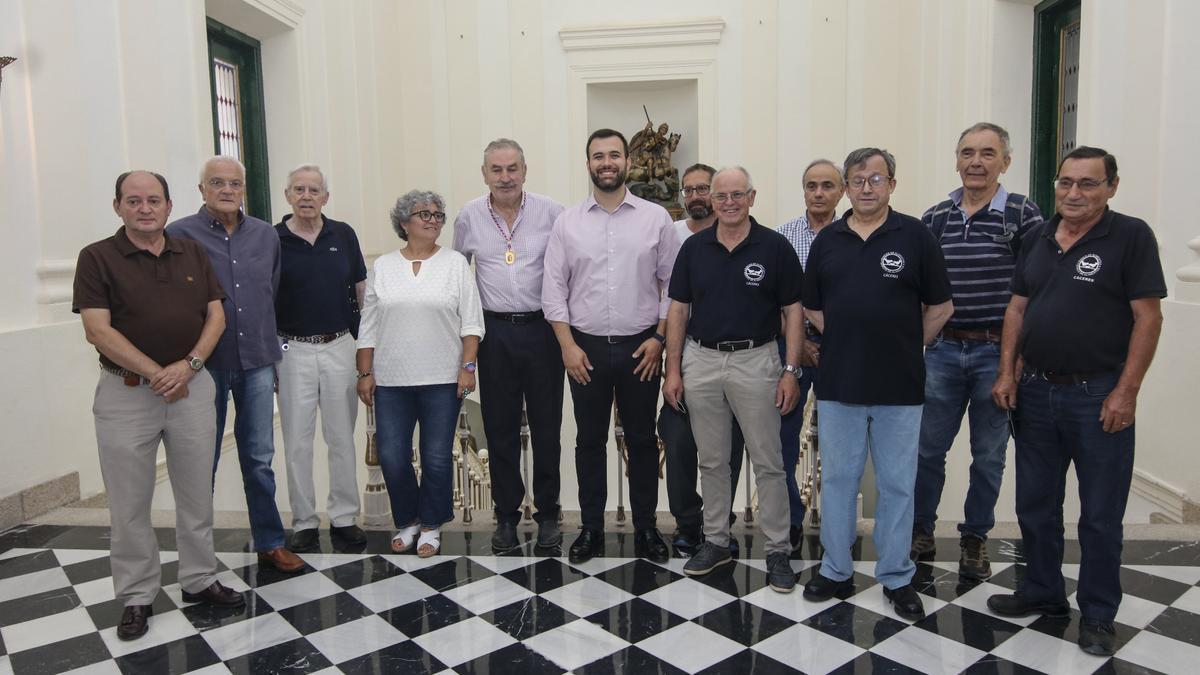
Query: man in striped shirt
[[979, 229]]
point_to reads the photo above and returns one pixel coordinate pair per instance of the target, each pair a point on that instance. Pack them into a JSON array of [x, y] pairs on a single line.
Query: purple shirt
[[605, 273], [503, 287], [247, 265]]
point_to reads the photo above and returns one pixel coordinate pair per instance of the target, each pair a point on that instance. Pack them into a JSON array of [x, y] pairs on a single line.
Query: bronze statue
[[651, 175]]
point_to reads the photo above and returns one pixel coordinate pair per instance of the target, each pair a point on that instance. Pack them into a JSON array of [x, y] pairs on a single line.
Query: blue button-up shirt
[[247, 265]]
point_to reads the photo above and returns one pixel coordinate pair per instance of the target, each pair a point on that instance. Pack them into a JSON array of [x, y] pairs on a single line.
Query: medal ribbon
[[508, 236]]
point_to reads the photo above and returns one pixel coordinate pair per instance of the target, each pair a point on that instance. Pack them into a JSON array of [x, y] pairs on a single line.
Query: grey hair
[[307, 167], [403, 210], [861, 155], [221, 158], [738, 168], [1005, 141], [823, 161], [500, 144]]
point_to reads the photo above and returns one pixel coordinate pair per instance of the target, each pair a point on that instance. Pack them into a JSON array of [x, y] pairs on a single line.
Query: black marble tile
[[1067, 628], [257, 575], [1150, 587], [990, 664], [861, 581], [402, 659], [873, 664], [362, 572], [741, 621], [89, 570], [939, 583], [425, 616], [3, 647], [61, 656], [544, 575], [639, 576], [629, 660], [528, 617], [737, 579], [969, 627], [181, 656], [855, 625], [322, 613], [1116, 666], [452, 573], [749, 661], [1151, 552], [206, 617], [1011, 577], [635, 620], [464, 543], [1178, 624], [511, 660], [108, 613], [38, 605], [24, 564], [293, 656]]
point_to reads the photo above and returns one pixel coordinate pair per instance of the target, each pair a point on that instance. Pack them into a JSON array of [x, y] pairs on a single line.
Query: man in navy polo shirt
[[1085, 318], [729, 284], [876, 287]]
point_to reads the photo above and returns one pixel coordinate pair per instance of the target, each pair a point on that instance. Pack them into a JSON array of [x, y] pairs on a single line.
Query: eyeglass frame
[[221, 184], [1091, 186], [883, 180], [735, 196], [427, 216], [701, 190]]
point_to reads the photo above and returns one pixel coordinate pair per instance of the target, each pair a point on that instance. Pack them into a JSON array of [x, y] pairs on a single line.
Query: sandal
[[429, 543], [403, 540]]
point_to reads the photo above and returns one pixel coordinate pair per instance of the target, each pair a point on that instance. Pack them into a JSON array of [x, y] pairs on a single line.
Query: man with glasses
[[674, 426], [979, 229], [823, 189], [505, 232], [1084, 321], [607, 261], [245, 254], [877, 290], [729, 285]]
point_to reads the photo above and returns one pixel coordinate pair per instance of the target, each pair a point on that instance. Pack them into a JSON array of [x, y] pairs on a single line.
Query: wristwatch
[[364, 375], [469, 366], [195, 362], [789, 368], [662, 339]]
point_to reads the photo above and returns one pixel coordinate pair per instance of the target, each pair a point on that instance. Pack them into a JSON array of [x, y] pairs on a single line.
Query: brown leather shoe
[[281, 559], [216, 594], [134, 622]]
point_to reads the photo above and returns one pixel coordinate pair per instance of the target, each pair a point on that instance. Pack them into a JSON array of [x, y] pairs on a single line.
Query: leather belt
[[131, 378], [313, 339], [1055, 377], [515, 317], [986, 335], [734, 345], [616, 339]]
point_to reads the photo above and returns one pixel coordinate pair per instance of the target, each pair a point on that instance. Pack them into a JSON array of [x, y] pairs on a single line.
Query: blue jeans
[[958, 377], [398, 411], [254, 429], [1059, 424], [890, 432], [790, 426]]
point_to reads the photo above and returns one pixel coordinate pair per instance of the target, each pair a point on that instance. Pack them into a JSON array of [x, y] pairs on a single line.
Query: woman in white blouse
[[421, 326]]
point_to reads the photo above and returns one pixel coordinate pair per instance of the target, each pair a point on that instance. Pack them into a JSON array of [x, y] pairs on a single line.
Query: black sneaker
[[504, 539], [708, 558], [780, 575], [686, 542], [305, 541], [821, 588], [906, 601], [1097, 637], [923, 546], [1012, 604], [973, 562]]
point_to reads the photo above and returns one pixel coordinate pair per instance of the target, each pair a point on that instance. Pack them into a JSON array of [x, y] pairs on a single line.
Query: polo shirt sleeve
[[791, 276], [1018, 285], [1141, 269], [812, 294], [935, 281], [357, 263], [680, 289], [91, 283]]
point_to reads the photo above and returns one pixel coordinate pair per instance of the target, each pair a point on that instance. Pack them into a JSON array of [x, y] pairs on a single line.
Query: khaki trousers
[[717, 387], [130, 424]]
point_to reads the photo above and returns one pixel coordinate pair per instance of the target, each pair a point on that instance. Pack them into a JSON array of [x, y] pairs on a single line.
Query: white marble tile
[[46, 630], [391, 592], [101, 668], [1071, 570], [355, 638], [976, 599], [503, 563], [808, 649], [251, 635], [1134, 611], [488, 594], [690, 646], [70, 556], [34, 582], [688, 598], [321, 561], [928, 652], [5, 665], [597, 565], [165, 557], [1160, 653], [791, 605], [411, 563], [874, 600], [214, 669], [588, 596], [238, 560], [18, 552], [1189, 601], [297, 590], [1037, 650], [227, 578], [463, 641], [164, 628], [1182, 573], [865, 568], [95, 591], [575, 644]]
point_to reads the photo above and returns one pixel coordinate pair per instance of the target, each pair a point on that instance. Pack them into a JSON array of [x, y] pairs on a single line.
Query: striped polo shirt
[[980, 263]]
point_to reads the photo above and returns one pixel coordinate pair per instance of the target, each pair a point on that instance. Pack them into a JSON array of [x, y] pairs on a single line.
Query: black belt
[[985, 335], [734, 345], [313, 339], [1056, 377], [514, 317], [616, 339]]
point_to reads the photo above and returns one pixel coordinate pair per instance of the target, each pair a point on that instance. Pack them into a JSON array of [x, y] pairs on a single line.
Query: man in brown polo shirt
[[151, 305]]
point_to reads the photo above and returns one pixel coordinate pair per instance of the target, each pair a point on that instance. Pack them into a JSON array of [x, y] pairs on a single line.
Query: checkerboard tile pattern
[[369, 612]]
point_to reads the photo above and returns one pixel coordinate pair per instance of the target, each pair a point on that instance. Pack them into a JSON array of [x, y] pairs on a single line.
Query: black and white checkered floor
[[470, 612]]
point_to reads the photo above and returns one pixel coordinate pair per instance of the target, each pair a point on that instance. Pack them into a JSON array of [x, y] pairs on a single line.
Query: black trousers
[[612, 373], [522, 362], [676, 433]]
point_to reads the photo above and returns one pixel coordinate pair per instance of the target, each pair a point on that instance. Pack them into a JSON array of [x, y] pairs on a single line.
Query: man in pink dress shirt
[[607, 262]]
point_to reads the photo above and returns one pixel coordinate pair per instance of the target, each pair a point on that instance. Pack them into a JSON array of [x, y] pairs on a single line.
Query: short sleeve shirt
[[159, 303], [871, 293], [1078, 318], [736, 295], [316, 281]]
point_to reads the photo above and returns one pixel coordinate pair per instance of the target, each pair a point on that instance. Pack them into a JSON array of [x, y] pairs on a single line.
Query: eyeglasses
[[429, 216], [221, 184], [722, 197], [877, 180], [699, 190], [1085, 185]]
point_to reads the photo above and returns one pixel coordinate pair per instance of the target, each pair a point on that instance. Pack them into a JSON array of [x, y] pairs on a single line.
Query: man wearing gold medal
[[505, 233]]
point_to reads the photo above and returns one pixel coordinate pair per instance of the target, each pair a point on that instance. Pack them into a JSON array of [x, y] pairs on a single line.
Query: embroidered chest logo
[[754, 273], [189, 278], [1087, 267], [892, 263], [333, 249]]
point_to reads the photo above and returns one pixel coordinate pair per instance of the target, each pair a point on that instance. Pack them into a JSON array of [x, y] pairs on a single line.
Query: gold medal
[[510, 257]]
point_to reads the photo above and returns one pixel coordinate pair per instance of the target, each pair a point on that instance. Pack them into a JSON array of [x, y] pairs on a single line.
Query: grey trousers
[[718, 386], [130, 423]]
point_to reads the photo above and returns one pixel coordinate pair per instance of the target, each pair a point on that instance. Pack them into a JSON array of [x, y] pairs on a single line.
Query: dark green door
[[239, 125], [1055, 93]]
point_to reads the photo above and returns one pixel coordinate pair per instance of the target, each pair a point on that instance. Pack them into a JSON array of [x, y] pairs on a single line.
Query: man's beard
[[699, 209], [617, 181]]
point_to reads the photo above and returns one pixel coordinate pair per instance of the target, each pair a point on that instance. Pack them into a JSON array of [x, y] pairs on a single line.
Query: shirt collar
[[998, 200], [591, 202], [843, 224], [127, 248], [213, 222], [1098, 230], [283, 229]]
